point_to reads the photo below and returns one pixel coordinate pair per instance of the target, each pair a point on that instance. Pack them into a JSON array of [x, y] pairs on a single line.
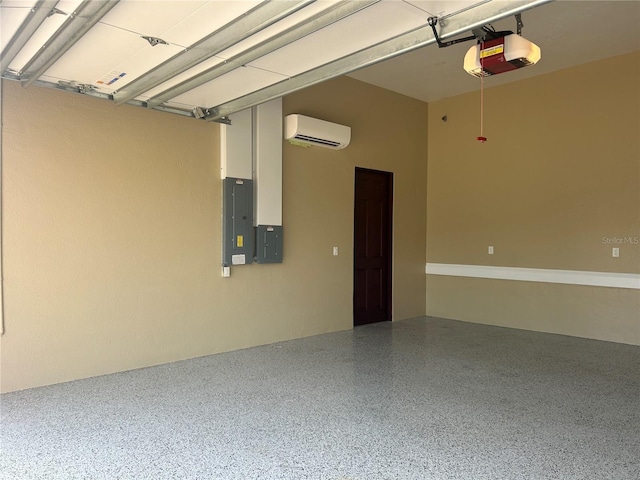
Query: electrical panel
[[251, 148], [268, 244], [237, 224]]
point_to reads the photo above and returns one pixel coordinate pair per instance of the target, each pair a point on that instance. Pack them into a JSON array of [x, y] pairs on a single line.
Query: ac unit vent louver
[[312, 131], [321, 141]]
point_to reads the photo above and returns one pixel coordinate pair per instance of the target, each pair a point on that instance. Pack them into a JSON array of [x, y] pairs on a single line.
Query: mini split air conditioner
[[299, 129]]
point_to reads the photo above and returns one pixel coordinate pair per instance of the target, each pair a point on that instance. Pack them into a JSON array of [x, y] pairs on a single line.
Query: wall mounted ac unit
[[306, 131]]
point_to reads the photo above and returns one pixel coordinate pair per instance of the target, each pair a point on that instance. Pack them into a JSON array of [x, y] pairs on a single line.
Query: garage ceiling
[[568, 32], [210, 58]]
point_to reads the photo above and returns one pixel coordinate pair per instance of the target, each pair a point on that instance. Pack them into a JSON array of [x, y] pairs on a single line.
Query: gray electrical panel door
[[237, 225], [268, 244]]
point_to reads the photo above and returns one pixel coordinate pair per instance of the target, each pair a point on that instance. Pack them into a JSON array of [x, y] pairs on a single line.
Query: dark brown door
[[372, 246]]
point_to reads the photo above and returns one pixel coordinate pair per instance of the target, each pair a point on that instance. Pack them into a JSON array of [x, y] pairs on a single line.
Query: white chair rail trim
[[571, 277]]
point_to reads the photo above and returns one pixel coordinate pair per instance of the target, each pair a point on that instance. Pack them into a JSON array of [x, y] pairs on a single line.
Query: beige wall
[[560, 171], [389, 133], [112, 232], [112, 220]]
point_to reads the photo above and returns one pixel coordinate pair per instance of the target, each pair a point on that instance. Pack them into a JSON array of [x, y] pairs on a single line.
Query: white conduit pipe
[[1, 221]]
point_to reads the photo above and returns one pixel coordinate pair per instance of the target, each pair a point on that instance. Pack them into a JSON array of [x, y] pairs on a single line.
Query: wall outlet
[[490, 250], [335, 251], [226, 272], [615, 252]]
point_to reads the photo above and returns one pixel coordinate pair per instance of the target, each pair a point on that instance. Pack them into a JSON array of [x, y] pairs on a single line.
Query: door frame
[[390, 178]]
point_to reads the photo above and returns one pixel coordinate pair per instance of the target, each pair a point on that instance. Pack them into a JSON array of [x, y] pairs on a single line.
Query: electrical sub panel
[[268, 244], [237, 225]]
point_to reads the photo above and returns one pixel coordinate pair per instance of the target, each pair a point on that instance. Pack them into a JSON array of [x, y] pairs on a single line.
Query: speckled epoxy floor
[[418, 399]]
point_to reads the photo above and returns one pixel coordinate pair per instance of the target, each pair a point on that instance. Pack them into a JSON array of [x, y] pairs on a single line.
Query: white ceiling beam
[[260, 17], [36, 16], [451, 26], [88, 13], [322, 19]]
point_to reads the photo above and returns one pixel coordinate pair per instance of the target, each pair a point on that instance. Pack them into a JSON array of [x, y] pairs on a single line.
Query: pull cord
[[481, 138]]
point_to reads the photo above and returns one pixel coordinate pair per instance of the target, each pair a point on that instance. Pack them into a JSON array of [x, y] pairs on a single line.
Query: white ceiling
[[568, 32], [218, 57]]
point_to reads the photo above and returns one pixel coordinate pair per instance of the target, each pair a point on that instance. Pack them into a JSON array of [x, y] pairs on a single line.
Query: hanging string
[[482, 138]]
